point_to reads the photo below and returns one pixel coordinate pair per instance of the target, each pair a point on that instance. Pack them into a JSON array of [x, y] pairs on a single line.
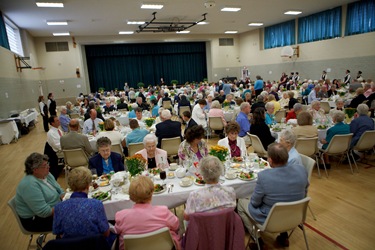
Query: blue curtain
[[109, 66], [3, 33], [360, 17], [279, 35], [320, 26]]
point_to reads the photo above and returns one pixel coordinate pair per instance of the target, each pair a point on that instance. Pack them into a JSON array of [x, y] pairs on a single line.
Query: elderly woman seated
[[292, 100], [216, 111], [155, 157], [292, 114], [360, 98], [284, 101], [305, 129], [340, 128], [115, 136], [80, 216], [259, 128], [270, 117], [37, 194], [235, 144], [317, 112], [272, 99], [144, 217], [288, 139], [339, 106], [193, 148], [214, 196], [106, 161]]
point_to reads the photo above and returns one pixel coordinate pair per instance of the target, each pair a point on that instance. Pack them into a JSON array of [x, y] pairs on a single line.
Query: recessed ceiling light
[[50, 5], [203, 23], [136, 22], [57, 22], [152, 6], [255, 24], [126, 32], [183, 32], [61, 34], [292, 12], [231, 32], [232, 9]]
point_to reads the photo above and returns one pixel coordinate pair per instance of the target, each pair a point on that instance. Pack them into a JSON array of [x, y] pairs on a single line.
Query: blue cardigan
[[97, 163]]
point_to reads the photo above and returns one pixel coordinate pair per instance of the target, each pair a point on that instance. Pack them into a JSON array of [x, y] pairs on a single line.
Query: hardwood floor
[[343, 203]]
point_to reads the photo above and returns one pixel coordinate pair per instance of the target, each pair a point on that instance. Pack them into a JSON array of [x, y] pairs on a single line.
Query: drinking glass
[[163, 176]]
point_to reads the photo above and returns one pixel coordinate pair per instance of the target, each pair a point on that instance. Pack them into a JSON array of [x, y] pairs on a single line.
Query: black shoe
[[282, 240]]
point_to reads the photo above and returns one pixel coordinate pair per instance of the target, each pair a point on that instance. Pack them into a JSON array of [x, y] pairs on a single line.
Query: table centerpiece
[[135, 164], [220, 152]]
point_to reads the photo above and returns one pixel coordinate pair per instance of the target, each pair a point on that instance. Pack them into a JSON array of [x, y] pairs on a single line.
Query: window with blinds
[[14, 37]]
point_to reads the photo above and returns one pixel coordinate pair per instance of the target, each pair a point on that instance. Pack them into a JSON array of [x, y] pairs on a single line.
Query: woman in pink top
[[216, 111], [143, 217]]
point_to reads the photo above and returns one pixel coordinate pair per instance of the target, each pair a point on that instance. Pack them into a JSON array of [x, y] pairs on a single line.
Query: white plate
[[161, 191], [198, 184], [182, 185], [245, 179], [232, 178], [107, 198]]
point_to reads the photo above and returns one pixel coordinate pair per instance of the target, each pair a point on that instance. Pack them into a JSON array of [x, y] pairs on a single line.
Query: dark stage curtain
[[110, 66]]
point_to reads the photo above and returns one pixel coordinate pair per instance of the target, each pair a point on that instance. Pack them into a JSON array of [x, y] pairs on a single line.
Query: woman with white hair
[[284, 101], [360, 123], [156, 157], [288, 140], [213, 196], [316, 111], [132, 112], [340, 128], [270, 117], [216, 111]]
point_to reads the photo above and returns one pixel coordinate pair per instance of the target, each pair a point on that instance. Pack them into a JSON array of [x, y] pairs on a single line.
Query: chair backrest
[[135, 147], [12, 205], [308, 163], [159, 239], [325, 106], [75, 157], [167, 104], [182, 109], [307, 146], [339, 144], [225, 226], [215, 123], [74, 116], [285, 216], [257, 145], [95, 242], [366, 142], [118, 149], [171, 145], [280, 114]]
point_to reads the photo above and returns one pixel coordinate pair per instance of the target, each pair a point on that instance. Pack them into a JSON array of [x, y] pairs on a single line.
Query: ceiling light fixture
[[255, 24], [183, 32], [231, 9], [203, 23], [136, 22], [126, 32], [61, 34], [42, 4], [152, 6], [231, 32], [57, 23], [293, 12]]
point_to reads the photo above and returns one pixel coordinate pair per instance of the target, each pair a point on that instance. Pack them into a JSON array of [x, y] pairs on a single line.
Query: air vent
[[226, 42], [57, 46]]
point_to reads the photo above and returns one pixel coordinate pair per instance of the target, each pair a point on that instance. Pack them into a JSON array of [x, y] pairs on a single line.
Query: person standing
[[53, 147], [258, 85], [347, 77], [51, 104], [44, 112]]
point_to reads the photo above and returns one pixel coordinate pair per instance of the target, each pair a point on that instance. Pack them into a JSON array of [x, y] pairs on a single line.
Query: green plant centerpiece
[[149, 121], [220, 152], [174, 82], [135, 164], [140, 85]]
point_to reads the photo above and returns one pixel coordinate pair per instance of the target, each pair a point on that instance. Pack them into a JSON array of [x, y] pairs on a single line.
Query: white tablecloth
[[28, 116], [178, 197], [8, 131]]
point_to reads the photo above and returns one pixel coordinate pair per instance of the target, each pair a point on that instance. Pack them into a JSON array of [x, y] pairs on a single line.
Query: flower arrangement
[[350, 112], [149, 121], [226, 103], [135, 164], [101, 126], [220, 152]]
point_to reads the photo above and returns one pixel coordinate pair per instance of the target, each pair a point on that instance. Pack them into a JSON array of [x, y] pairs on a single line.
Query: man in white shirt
[[198, 115], [91, 125], [52, 147]]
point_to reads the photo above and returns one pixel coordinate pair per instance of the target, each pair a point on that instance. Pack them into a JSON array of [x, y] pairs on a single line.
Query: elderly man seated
[[360, 124], [91, 126], [108, 107], [64, 119], [167, 128], [284, 182]]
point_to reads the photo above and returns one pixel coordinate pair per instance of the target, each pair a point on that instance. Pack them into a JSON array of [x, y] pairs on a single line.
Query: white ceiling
[[108, 17]]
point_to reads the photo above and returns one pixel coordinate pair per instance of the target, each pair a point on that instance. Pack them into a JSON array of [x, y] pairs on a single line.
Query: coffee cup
[[173, 166], [185, 181], [180, 172]]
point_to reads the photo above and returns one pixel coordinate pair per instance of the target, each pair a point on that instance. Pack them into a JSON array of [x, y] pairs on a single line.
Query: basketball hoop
[[38, 68]]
